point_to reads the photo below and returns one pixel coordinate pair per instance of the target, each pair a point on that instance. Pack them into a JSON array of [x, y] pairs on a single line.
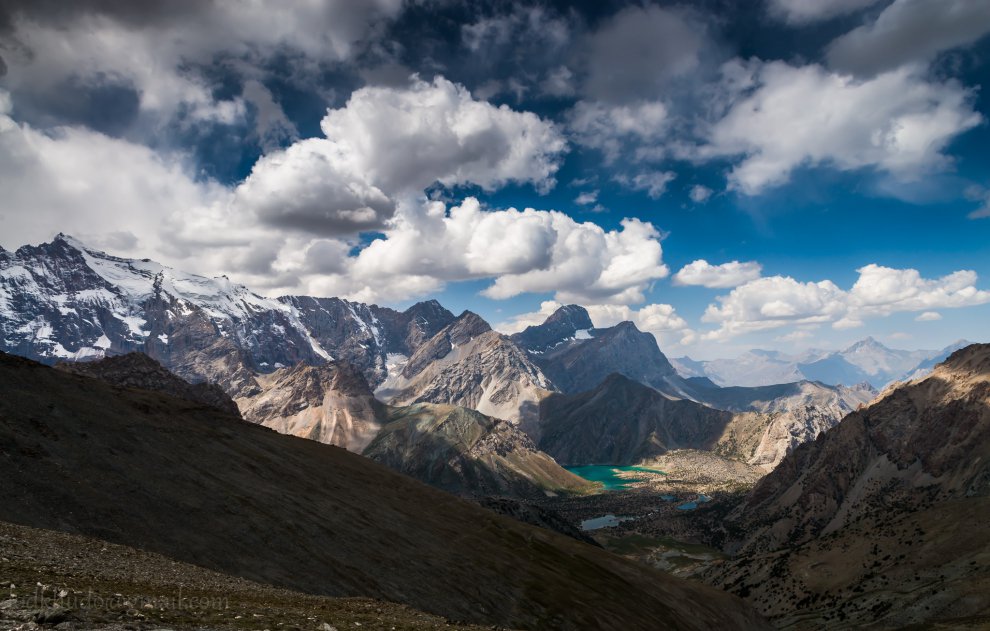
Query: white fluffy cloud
[[778, 301], [897, 122], [884, 290], [800, 12], [90, 185], [929, 316], [310, 187], [549, 252], [731, 274], [404, 139], [910, 31], [285, 228], [387, 142]]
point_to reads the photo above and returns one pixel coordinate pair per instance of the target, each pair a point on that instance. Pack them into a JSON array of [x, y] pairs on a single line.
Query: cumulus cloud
[[731, 274], [580, 262], [587, 198], [884, 290], [309, 187], [391, 141], [929, 316], [404, 139], [82, 182], [778, 301], [801, 12], [611, 128], [910, 31], [291, 225], [700, 194], [897, 122]]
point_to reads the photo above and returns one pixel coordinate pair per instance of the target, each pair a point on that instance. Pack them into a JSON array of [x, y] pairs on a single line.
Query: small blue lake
[[609, 475], [605, 521], [692, 505]]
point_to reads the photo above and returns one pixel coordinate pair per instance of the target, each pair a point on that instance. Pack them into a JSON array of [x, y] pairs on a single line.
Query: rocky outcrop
[[772, 421], [469, 365], [930, 436], [331, 404], [180, 479], [467, 453], [137, 370]]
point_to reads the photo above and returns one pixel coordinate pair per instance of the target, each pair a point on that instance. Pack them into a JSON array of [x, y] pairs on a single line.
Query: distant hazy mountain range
[[866, 361]]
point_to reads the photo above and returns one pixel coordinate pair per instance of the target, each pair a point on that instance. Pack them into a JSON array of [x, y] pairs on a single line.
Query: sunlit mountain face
[[782, 175]]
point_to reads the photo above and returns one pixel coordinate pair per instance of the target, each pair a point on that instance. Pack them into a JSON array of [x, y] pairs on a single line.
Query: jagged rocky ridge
[[64, 301], [903, 487], [181, 479]]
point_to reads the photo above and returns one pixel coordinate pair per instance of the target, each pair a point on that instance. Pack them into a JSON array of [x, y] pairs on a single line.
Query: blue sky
[[825, 160]]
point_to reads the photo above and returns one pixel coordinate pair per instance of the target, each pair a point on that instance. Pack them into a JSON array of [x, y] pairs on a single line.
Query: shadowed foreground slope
[[94, 585], [181, 479]]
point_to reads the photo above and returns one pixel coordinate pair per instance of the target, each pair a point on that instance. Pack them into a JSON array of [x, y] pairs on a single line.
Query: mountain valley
[[421, 427]]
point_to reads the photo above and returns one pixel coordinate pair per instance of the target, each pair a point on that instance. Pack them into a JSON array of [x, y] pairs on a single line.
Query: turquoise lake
[[609, 475]]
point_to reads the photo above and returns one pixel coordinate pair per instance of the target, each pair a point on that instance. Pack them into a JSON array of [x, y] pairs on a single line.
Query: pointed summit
[[868, 342], [563, 324]]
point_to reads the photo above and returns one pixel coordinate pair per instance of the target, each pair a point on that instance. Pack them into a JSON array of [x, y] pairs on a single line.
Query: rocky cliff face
[[407, 330], [137, 370], [899, 486], [470, 365], [330, 403], [623, 422], [365, 335], [467, 453], [771, 421], [562, 326]]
